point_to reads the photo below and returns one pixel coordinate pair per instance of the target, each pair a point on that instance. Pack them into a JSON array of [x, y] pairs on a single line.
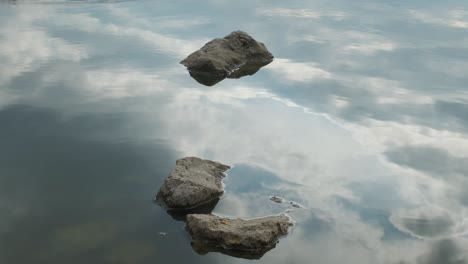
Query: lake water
[[362, 118]]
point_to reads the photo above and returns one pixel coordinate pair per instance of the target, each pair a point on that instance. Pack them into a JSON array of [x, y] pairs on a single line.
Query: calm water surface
[[362, 118]]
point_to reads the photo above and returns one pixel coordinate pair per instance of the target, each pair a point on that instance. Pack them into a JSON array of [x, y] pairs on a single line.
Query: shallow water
[[362, 118]]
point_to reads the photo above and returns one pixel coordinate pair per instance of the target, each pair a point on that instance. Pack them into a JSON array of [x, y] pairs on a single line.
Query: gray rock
[[233, 56], [234, 236], [277, 199], [193, 182]]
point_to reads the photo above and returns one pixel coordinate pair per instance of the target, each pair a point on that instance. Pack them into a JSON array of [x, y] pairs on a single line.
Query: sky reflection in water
[[361, 118]]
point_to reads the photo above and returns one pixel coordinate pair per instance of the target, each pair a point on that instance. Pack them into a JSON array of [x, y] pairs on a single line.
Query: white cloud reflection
[[348, 42], [453, 18], [319, 157], [26, 50], [298, 71], [301, 13]]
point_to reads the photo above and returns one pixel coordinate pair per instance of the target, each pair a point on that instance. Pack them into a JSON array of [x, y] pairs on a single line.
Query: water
[[362, 118]]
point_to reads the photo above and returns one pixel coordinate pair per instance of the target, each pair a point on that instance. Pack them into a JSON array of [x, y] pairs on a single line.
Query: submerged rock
[[233, 56], [236, 237], [277, 199], [192, 183], [296, 205]]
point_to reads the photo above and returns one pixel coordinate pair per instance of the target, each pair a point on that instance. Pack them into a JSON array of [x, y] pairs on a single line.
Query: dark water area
[[362, 118]]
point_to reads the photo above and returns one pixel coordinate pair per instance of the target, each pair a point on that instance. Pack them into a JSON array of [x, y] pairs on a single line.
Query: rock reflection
[[204, 248], [207, 208], [210, 79]]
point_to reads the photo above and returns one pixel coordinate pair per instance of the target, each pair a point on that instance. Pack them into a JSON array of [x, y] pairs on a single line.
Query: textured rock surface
[[191, 183], [256, 236], [233, 56]]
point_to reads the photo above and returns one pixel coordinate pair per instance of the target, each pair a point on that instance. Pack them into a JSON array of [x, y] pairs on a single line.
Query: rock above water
[[193, 182], [233, 56], [236, 237]]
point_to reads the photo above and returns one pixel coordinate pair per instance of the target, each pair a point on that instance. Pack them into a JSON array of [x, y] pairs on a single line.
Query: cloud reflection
[[341, 112]]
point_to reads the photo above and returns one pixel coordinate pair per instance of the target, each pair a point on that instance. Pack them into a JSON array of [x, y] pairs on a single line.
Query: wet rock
[[277, 199], [295, 205], [233, 56], [236, 237], [192, 183]]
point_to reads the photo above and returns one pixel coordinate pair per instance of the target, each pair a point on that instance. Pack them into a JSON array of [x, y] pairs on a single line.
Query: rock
[[236, 237], [295, 205], [192, 183], [233, 56], [277, 199]]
